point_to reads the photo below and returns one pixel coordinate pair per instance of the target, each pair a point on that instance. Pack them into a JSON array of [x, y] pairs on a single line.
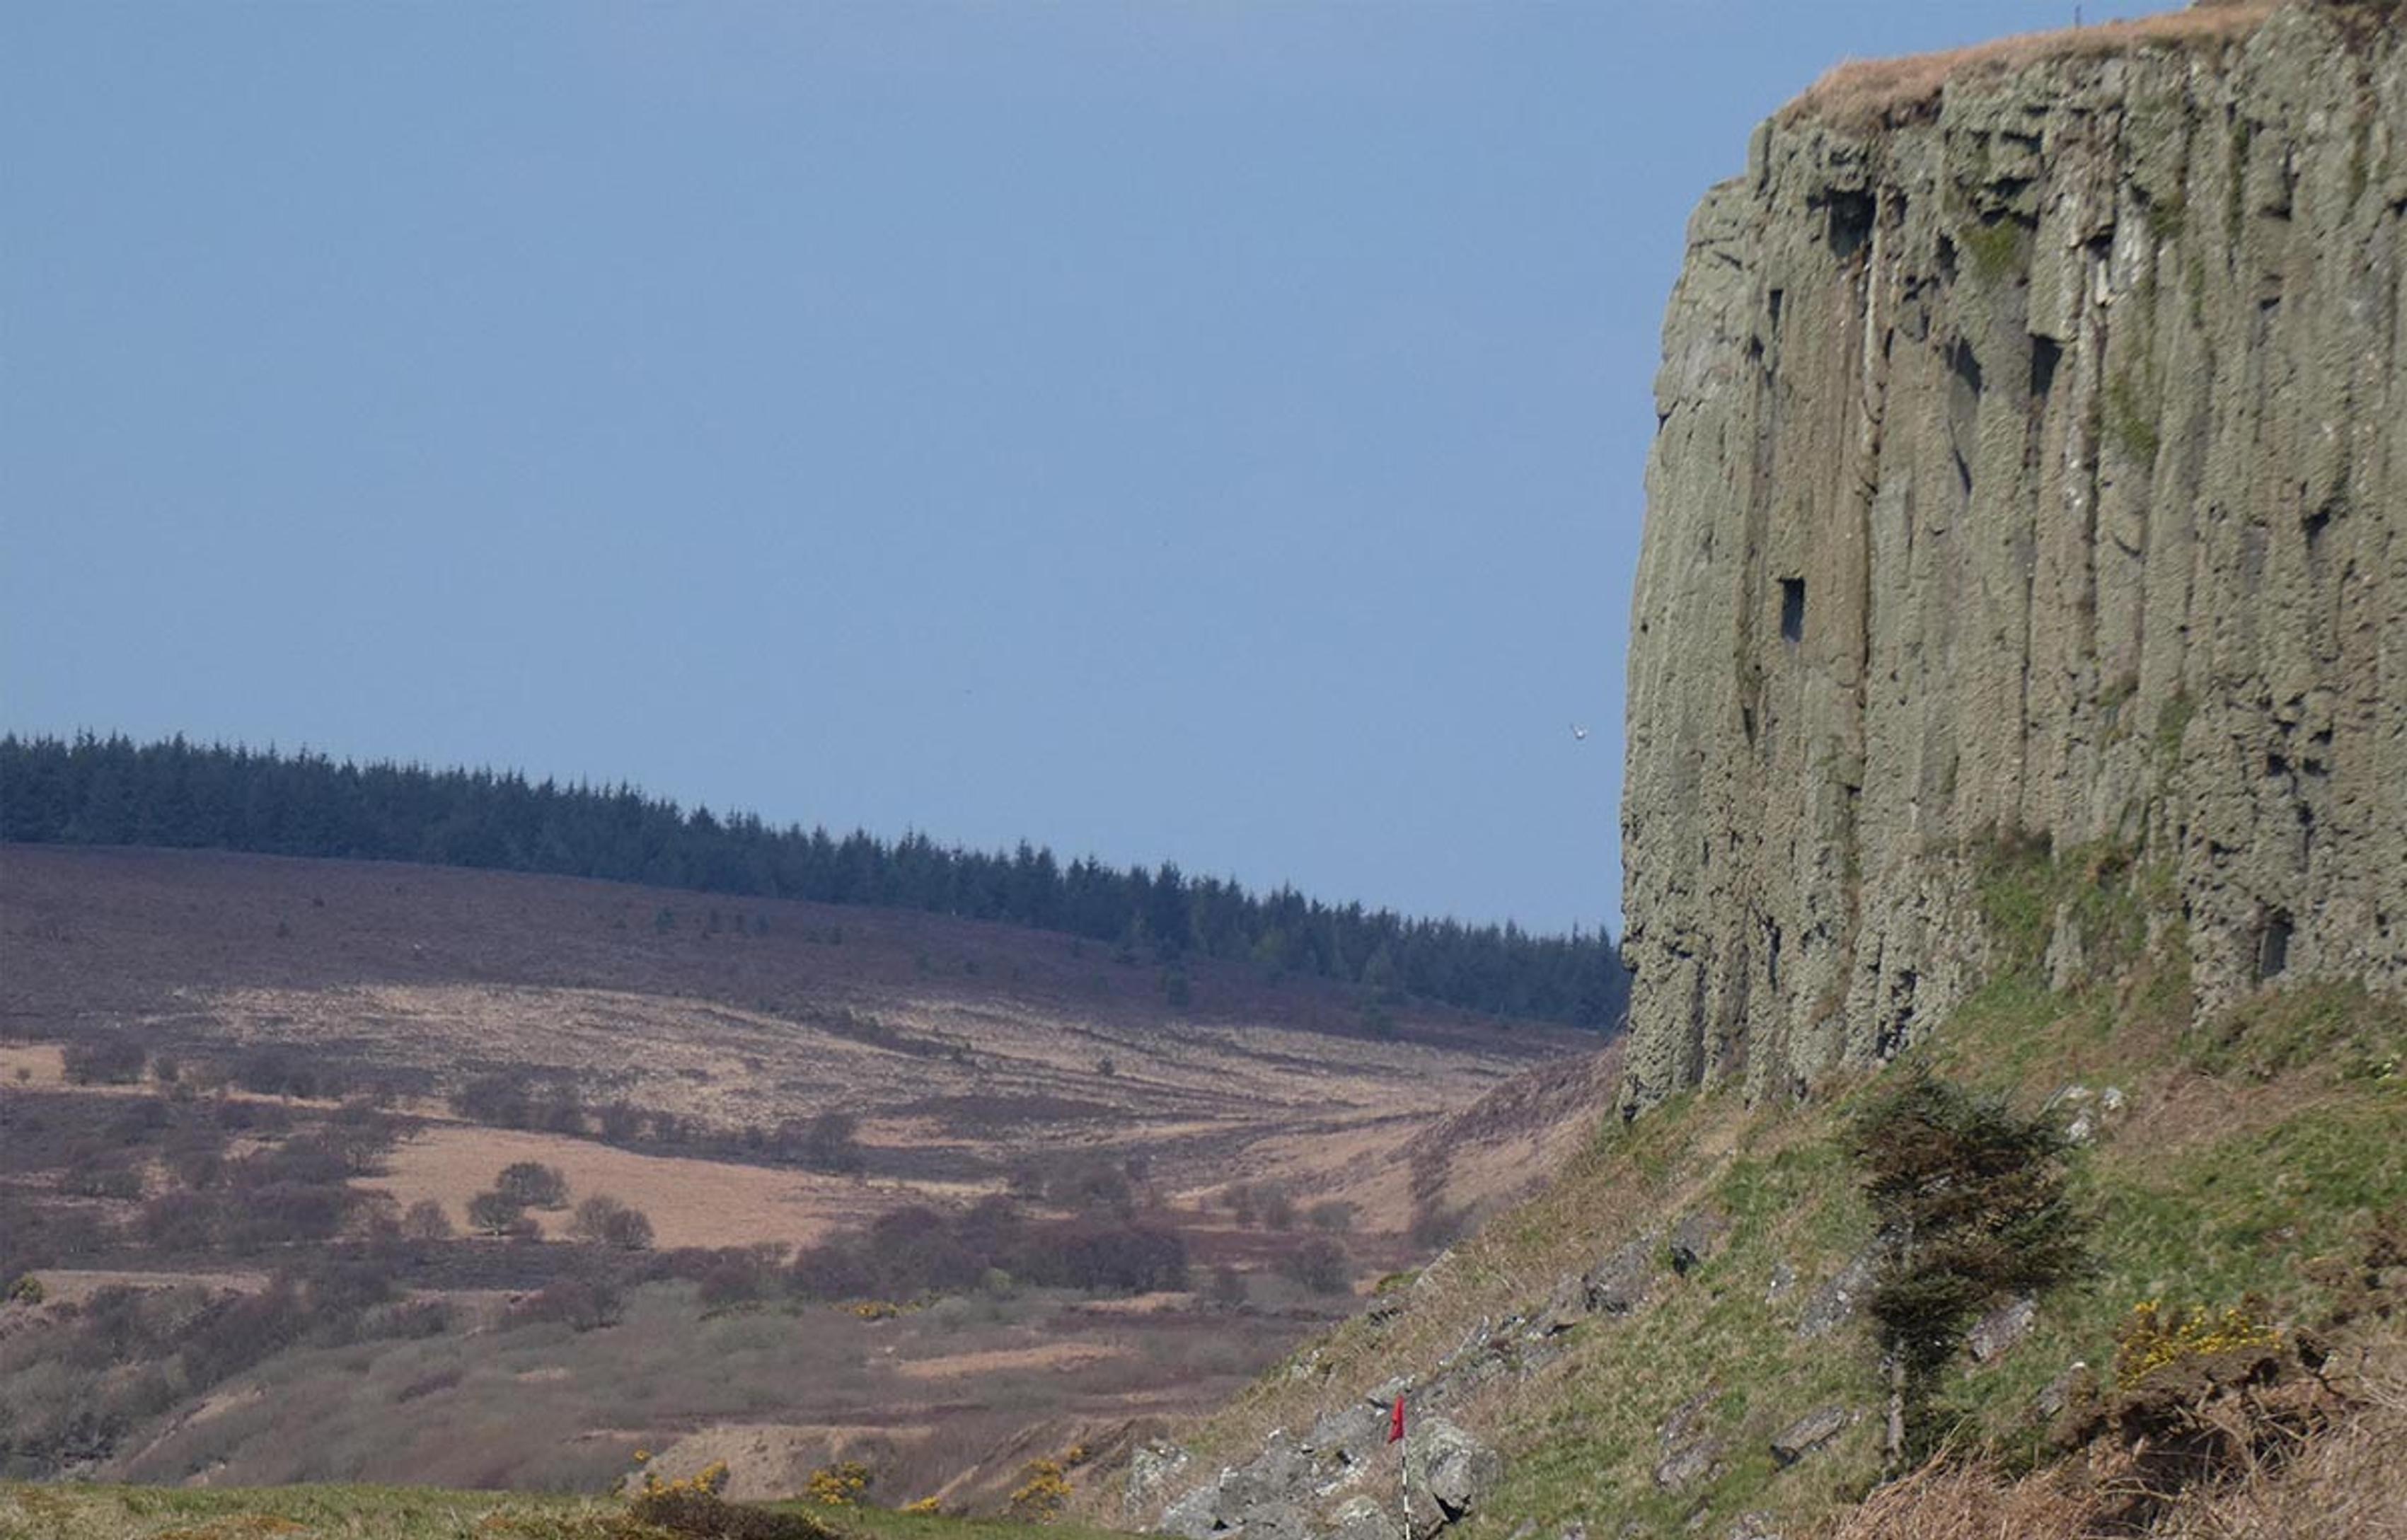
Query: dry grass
[[1867, 94], [2343, 1483], [690, 1201]]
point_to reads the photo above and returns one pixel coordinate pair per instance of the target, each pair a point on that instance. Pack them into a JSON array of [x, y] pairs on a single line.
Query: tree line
[[112, 790]]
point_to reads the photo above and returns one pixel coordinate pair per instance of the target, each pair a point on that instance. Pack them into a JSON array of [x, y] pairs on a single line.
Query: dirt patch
[[1061, 1357]]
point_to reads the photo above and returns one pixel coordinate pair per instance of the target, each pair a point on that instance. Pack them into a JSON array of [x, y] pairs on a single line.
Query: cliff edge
[[2031, 474]]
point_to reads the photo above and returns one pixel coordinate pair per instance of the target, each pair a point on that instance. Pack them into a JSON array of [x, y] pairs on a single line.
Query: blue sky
[[1206, 432]]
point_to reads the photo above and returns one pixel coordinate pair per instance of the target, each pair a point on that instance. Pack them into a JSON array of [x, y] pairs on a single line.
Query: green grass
[[73, 1511], [2131, 420], [1996, 247]]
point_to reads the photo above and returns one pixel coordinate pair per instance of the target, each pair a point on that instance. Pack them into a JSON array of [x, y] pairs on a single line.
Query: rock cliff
[[2031, 471]]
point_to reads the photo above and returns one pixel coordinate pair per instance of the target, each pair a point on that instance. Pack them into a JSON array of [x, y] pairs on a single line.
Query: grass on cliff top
[[2248, 1145], [1864, 93], [71, 1511]]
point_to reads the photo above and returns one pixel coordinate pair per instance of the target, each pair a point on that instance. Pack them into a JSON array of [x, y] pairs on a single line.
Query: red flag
[[1396, 1422]]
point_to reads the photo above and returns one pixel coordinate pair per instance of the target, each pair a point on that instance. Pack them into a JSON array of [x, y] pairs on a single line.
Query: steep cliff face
[[2033, 466]]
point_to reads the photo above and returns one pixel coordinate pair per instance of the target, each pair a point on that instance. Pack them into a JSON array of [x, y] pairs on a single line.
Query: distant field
[[424, 1028]]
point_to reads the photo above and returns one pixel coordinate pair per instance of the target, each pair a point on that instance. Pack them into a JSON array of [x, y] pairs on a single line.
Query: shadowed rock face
[[2036, 467]]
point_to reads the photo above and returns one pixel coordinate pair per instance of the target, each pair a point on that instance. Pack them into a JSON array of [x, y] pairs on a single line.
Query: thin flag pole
[[1404, 1464]]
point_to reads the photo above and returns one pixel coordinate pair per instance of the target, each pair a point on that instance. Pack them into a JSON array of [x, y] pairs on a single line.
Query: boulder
[[1454, 1468], [1808, 1434]]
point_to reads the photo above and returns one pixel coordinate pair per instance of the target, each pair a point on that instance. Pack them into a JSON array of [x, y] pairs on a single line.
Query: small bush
[[1042, 1496]]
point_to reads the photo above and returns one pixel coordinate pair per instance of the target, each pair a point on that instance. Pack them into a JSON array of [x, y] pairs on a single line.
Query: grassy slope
[[2249, 1144]]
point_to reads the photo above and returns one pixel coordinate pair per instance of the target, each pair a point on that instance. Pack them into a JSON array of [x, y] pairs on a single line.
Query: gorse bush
[[838, 1486], [2155, 1337]]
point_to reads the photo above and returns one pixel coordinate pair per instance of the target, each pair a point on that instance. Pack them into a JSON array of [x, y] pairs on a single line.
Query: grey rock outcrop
[[1311, 1488], [2032, 462]]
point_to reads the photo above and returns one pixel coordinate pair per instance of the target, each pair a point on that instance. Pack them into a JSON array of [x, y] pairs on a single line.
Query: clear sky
[[1168, 429]]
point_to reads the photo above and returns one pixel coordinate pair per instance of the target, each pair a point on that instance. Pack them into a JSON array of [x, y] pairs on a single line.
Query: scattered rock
[[1351, 1433], [1784, 1279], [1695, 1239], [1837, 1299], [1276, 1521], [1275, 1475], [1753, 1526], [1361, 1518], [1689, 1453], [1689, 1462], [1620, 1284], [1808, 1434], [1193, 1516], [2001, 1329], [2077, 1384], [1151, 1470]]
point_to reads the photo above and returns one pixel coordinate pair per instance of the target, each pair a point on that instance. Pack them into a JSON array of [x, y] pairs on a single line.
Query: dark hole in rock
[[1851, 223], [2046, 352], [1792, 609], [2276, 766], [1966, 364], [2273, 946], [2315, 525]]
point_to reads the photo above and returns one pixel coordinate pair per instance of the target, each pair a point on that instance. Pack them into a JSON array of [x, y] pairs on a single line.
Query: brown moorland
[[673, 1050]]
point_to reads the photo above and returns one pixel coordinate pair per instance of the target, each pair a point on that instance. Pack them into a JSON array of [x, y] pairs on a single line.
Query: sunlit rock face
[[2031, 474]]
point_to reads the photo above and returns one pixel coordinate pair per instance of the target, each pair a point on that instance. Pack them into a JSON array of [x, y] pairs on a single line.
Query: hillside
[[2015, 703], [682, 1055]]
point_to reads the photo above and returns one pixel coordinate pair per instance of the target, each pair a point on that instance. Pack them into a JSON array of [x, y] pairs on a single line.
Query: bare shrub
[[582, 1304], [425, 1220], [1321, 1264], [1333, 1217], [607, 1222]]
